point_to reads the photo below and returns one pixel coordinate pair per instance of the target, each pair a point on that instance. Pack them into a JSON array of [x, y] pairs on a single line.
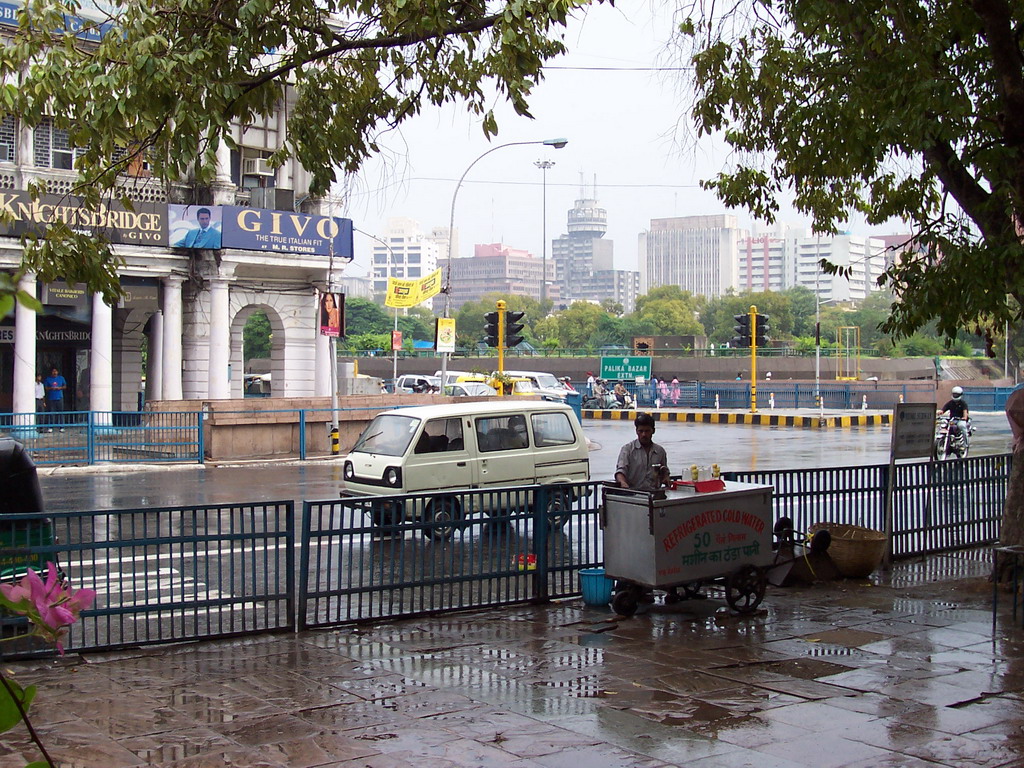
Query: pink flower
[[51, 606]]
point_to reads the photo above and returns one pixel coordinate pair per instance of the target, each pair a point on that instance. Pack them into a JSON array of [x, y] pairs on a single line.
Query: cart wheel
[[625, 602], [744, 589]]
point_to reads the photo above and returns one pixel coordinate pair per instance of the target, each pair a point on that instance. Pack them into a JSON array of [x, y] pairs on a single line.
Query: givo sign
[[258, 229]]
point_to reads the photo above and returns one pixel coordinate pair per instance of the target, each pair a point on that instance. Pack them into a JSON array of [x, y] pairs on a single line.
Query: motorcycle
[[952, 438], [607, 401]]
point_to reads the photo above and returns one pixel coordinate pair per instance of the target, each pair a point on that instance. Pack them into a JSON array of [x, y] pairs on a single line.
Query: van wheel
[[558, 509], [441, 517]]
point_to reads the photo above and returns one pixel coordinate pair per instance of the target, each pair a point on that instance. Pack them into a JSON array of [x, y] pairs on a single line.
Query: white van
[[447, 448]]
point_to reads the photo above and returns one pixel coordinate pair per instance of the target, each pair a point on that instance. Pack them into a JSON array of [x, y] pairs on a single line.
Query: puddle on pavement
[[805, 669], [849, 638]]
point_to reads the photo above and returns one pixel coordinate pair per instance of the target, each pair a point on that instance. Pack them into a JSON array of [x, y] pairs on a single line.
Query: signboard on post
[[913, 437], [913, 430], [627, 368]]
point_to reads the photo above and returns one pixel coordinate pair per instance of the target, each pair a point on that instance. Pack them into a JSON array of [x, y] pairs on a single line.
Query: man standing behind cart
[[642, 464]]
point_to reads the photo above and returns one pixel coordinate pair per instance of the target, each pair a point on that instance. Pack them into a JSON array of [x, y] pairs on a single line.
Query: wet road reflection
[[732, 447]]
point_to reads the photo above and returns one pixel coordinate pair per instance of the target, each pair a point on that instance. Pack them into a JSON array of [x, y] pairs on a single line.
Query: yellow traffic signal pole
[[501, 337], [753, 359]]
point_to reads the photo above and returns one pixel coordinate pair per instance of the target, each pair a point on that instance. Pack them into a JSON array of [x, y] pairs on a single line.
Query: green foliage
[[469, 321], [362, 342], [256, 337], [890, 109], [363, 316], [12, 694], [172, 77]]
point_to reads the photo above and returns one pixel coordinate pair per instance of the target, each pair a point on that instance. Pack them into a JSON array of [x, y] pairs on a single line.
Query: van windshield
[[388, 434]]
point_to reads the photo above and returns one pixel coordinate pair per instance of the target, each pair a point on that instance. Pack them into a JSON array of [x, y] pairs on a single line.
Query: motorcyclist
[[956, 409], [621, 393]]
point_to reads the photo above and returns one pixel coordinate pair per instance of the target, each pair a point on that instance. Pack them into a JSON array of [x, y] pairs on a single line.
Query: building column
[[220, 341], [155, 358], [171, 346], [322, 361], [101, 373], [25, 357]]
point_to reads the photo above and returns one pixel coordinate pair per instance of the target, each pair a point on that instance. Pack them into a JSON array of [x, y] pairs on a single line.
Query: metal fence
[[183, 573], [165, 574], [91, 437], [937, 506], [394, 556], [987, 398], [786, 394]]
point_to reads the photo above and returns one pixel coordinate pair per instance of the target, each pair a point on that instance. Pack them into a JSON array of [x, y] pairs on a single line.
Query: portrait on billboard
[[194, 226], [332, 309]]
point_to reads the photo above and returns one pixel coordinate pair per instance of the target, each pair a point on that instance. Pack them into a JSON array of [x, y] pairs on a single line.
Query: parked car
[[544, 384], [416, 382], [437, 449], [470, 389]]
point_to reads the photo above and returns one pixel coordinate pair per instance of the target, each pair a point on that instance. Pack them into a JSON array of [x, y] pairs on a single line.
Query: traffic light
[[513, 326], [491, 329], [742, 330], [761, 335]]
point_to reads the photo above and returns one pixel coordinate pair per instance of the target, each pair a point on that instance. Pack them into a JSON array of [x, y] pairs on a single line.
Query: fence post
[[90, 439], [200, 442], [302, 433], [542, 497]]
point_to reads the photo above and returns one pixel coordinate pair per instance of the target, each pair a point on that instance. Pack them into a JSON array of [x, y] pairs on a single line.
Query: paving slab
[[903, 670]]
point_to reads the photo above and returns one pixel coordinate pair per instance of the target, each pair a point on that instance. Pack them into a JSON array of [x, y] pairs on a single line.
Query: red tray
[[700, 486]]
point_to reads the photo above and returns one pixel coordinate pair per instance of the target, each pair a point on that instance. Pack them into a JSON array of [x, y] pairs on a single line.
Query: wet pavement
[[900, 671]]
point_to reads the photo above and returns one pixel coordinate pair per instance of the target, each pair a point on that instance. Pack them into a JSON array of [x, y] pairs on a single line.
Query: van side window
[[552, 429], [502, 433], [440, 435]]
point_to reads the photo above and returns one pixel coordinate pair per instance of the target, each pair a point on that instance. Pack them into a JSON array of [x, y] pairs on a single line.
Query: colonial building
[[198, 261]]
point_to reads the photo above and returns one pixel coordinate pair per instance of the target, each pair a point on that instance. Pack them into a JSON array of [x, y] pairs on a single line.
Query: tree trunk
[[1012, 530]]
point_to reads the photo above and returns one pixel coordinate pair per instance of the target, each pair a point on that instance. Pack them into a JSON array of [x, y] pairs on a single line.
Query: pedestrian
[[663, 392], [55, 384], [591, 381], [673, 392], [40, 399], [642, 463]]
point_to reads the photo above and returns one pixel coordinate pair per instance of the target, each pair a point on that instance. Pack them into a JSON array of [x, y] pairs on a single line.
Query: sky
[[627, 130]]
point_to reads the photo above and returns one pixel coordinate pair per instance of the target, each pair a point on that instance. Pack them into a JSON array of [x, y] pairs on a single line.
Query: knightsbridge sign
[[146, 225]]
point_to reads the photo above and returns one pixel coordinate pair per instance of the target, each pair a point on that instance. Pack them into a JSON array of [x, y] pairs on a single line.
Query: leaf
[[9, 714]]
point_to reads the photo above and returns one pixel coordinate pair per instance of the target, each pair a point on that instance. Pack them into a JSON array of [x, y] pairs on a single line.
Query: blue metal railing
[[172, 573], [371, 558], [938, 506], [90, 437], [190, 572]]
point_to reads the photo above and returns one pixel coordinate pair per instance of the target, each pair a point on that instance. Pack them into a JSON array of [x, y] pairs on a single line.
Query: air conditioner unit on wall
[[257, 166]]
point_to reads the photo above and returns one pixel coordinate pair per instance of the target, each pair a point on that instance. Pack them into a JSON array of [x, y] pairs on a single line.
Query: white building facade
[[409, 253], [697, 253], [185, 305]]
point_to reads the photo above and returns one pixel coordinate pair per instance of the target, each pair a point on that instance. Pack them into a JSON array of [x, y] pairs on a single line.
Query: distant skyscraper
[[697, 253], [584, 261], [408, 255]]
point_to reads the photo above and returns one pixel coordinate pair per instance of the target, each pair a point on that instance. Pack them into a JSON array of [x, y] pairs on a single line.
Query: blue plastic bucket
[[597, 588]]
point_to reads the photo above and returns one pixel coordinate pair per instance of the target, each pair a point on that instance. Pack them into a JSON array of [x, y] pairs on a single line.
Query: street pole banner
[[409, 293], [396, 341], [332, 313], [444, 335]]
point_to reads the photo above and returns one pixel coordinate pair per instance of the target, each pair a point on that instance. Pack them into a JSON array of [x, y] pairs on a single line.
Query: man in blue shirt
[[207, 236], [54, 384]]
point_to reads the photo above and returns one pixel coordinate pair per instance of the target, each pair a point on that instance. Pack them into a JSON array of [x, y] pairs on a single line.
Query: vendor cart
[[681, 537]]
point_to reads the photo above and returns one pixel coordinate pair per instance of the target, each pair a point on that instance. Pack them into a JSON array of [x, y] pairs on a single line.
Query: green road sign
[[625, 367]]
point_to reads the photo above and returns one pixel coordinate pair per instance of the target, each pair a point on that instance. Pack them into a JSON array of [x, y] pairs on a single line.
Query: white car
[[544, 384], [470, 389], [416, 382]]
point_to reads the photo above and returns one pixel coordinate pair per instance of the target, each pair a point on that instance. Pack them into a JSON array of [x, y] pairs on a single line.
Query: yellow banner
[[409, 293], [444, 334]]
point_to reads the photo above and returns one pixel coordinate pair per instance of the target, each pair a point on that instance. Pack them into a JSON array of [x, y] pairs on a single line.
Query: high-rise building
[[697, 253], [408, 254], [496, 268], [584, 261], [863, 256]]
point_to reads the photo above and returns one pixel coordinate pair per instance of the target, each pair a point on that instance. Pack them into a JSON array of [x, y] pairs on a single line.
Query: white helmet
[[957, 392]]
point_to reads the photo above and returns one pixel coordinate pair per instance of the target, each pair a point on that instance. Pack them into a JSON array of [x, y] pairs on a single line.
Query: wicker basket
[[856, 551]]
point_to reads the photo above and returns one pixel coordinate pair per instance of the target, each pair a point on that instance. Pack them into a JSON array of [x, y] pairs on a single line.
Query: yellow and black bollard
[[335, 441]]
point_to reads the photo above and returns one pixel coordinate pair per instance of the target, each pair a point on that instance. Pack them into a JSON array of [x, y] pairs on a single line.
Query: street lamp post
[[557, 144], [544, 165]]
